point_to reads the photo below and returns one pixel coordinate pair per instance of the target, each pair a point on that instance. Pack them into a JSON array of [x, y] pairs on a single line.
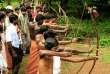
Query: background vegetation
[[74, 8]]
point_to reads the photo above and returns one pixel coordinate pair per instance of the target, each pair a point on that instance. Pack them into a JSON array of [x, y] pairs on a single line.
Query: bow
[[96, 36]]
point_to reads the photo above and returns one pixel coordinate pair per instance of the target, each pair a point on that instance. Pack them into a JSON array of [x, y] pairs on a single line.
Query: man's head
[[50, 33], [39, 18], [46, 10], [13, 19], [38, 8], [54, 18], [47, 17], [23, 11], [9, 4], [2, 17], [3, 10], [50, 43], [9, 12], [22, 5], [43, 29], [28, 9], [17, 10]]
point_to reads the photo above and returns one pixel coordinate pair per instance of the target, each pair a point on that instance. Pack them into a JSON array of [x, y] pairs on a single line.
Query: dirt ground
[[100, 68]]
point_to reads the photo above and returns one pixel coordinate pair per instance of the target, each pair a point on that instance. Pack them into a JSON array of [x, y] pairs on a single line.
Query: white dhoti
[[56, 64]]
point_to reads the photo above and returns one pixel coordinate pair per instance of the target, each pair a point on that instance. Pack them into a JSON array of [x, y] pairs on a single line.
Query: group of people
[[25, 31]]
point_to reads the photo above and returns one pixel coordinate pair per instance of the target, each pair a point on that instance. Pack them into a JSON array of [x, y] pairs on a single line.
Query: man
[[9, 6], [48, 22], [8, 13], [14, 43], [36, 12], [29, 13], [23, 21], [17, 11], [3, 10], [46, 51]]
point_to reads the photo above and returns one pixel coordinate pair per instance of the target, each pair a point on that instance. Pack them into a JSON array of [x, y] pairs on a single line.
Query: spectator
[[14, 43], [3, 10], [9, 6], [23, 20]]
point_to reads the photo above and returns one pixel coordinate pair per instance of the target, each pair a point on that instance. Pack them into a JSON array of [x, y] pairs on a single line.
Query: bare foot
[[91, 49]]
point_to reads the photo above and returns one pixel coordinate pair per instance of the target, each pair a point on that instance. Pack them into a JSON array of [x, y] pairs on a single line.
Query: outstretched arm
[[61, 31], [53, 53], [77, 59], [75, 50]]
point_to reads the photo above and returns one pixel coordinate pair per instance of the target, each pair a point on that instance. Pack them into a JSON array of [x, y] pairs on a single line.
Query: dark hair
[[13, 17], [46, 10], [1, 16], [48, 16], [21, 5], [28, 7], [9, 4], [38, 7], [39, 17], [54, 16], [16, 8], [1, 28], [43, 29], [49, 33], [23, 9], [50, 43], [3, 9], [8, 11]]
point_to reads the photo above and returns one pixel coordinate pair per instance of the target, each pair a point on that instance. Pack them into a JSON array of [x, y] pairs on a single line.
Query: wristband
[[13, 52]]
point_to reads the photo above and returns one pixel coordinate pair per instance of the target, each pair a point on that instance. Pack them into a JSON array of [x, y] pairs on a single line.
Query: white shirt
[[11, 36], [9, 7], [7, 22]]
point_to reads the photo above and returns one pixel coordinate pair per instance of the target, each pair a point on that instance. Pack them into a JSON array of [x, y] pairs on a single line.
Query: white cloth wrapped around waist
[[56, 62]]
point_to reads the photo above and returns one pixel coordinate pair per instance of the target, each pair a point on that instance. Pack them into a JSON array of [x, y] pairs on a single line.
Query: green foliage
[[105, 41]]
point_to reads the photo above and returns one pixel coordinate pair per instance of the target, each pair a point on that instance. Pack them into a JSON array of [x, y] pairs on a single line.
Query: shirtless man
[[46, 55], [48, 22]]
